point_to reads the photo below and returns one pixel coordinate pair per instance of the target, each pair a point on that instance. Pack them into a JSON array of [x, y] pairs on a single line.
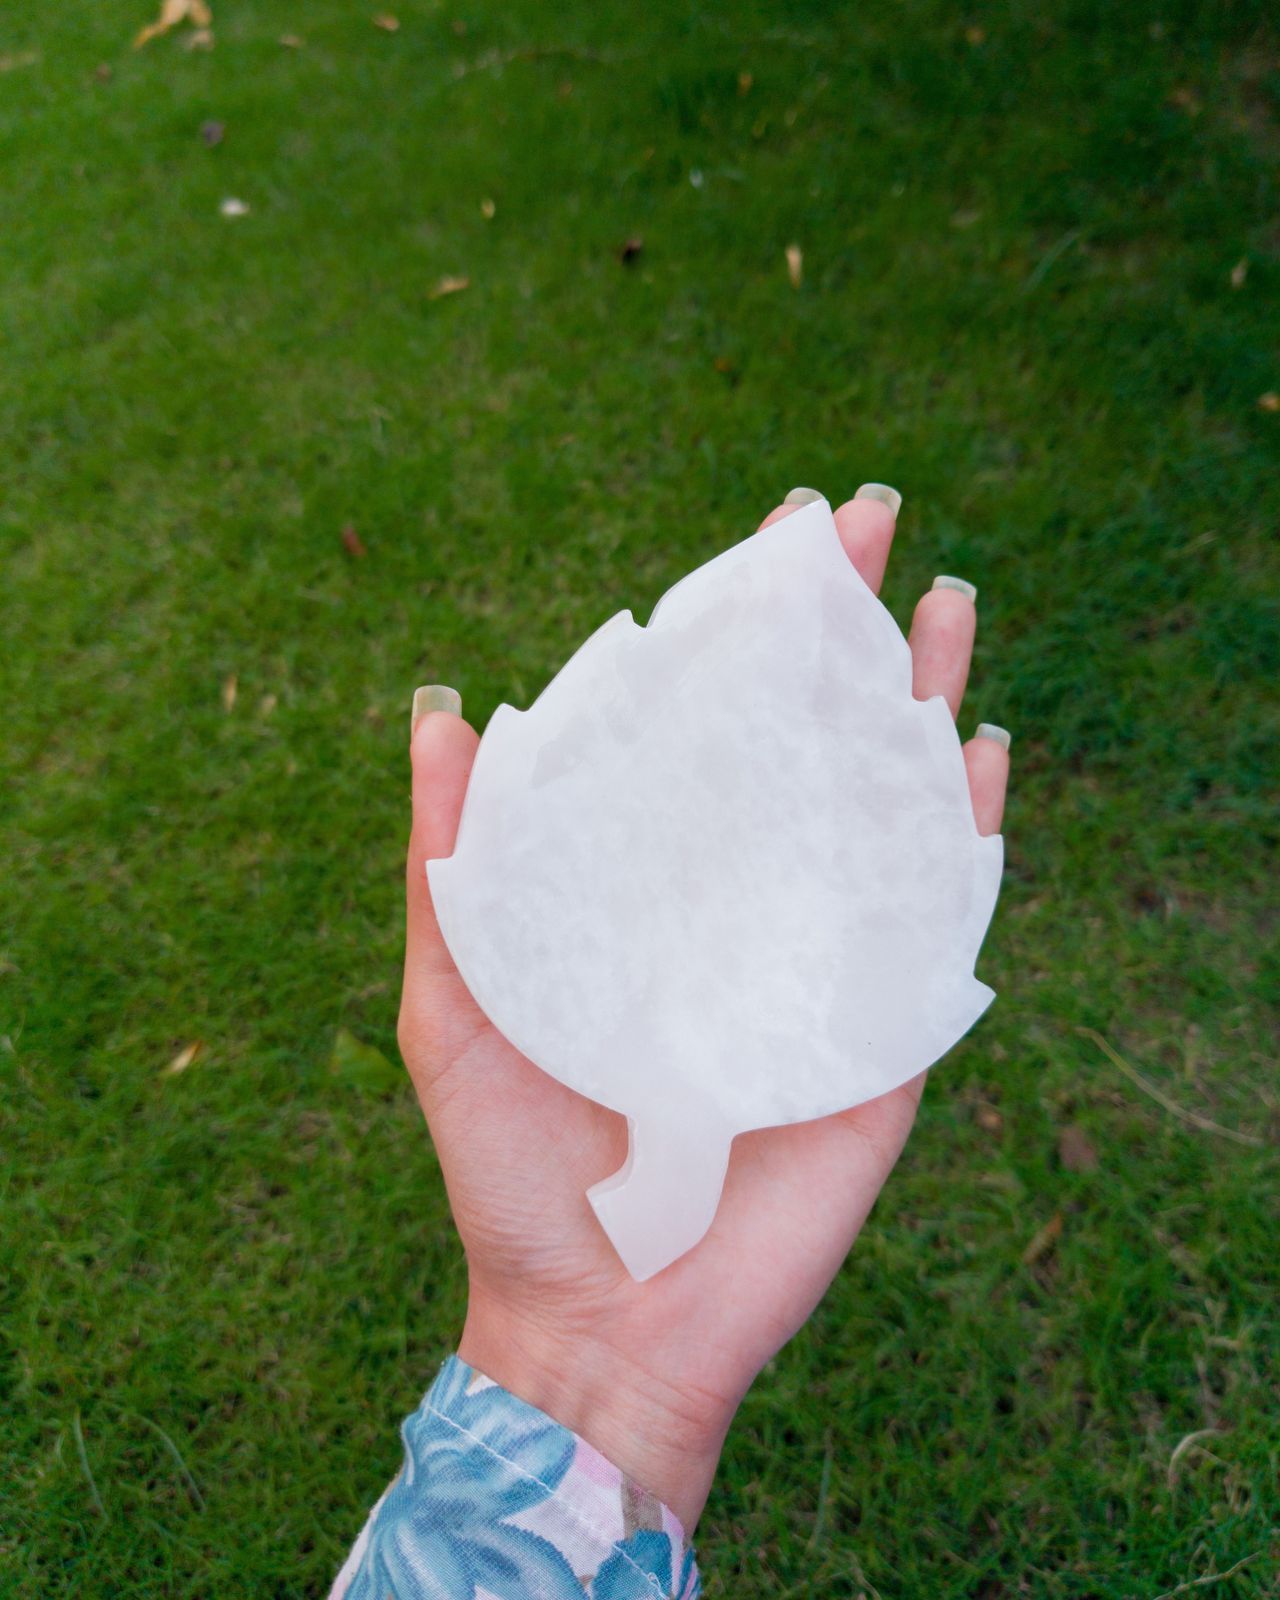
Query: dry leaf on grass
[[229, 691], [448, 286], [353, 542], [387, 22], [795, 265], [1075, 1150], [1043, 1241], [1269, 401], [173, 12], [1239, 273], [291, 41], [487, 209], [184, 1058], [745, 80]]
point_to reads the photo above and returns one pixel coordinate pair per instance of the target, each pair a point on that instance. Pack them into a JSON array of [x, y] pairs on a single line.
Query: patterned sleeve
[[495, 1501]]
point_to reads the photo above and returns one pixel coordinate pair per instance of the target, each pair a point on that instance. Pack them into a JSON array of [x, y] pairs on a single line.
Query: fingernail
[[958, 584], [882, 492], [802, 497], [991, 730], [434, 697]]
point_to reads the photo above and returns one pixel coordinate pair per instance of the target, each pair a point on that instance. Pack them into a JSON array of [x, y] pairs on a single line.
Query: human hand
[[650, 1373]]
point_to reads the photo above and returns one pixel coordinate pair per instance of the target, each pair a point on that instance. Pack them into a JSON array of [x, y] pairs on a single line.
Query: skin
[[651, 1373]]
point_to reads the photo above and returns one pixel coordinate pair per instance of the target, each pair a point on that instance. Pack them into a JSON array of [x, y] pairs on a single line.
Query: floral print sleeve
[[495, 1501]]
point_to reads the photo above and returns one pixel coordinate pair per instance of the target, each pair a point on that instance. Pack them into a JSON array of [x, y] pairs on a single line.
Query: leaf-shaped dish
[[724, 872]]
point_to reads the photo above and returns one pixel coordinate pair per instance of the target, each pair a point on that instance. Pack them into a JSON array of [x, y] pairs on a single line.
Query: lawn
[[261, 478]]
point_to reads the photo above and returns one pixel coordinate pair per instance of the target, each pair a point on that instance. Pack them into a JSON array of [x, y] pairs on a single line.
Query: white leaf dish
[[724, 872]]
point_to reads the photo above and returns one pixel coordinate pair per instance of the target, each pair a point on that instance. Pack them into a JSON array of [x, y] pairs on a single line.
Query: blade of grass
[[192, 1487], [1193, 1118], [78, 1431]]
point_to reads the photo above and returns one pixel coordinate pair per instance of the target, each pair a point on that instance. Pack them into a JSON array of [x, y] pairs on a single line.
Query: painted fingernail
[[958, 584], [882, 492], [992, 730], [434, 697], [802, 497]]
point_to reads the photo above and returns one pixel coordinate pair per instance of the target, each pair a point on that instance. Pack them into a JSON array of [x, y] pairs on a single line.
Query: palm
[[519, 1150]]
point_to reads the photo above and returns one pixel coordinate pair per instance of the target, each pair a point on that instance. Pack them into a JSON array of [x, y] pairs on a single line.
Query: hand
[[650, 1373]]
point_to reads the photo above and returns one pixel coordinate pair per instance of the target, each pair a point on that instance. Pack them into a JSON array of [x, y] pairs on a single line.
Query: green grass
[[1019, 226]]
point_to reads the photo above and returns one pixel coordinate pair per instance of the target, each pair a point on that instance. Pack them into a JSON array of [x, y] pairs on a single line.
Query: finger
[[986, 759], [865, 524], [794, 500], [941, 641], [442, 748]]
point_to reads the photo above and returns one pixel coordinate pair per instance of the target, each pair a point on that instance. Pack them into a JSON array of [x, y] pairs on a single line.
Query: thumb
[[442, 748]]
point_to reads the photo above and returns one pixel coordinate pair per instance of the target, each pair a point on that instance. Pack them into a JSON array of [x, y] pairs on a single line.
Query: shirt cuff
[[495, 1499]]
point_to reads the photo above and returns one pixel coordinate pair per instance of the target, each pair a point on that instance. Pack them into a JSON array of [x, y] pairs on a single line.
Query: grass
[[221, 1288]]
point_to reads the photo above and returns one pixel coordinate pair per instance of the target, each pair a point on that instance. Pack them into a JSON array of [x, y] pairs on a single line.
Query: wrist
[[662, 1439]]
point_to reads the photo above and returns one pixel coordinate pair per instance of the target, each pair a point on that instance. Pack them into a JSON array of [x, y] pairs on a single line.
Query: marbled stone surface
[[724, 872]]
